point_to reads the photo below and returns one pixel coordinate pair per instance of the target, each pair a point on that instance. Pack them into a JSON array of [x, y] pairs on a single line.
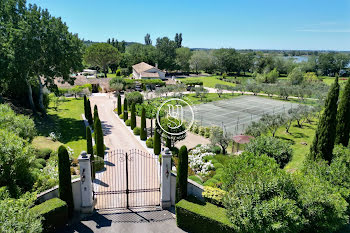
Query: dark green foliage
[[149, 143], [119, 104], [133, 117], [343, 117], [137, 130], [54, 213], [128, 122], [196, 217], [99, 139], [89, 113], [96, 112], [98, 164], [143, 133], [65, 181], [126, 114], [134, 98], [157, 142], [324, 139], [44, 153], [182, 175], [275, 148], [85, 107], [90, 150]]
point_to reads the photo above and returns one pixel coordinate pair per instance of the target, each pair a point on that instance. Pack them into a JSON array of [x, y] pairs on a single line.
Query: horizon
[[311, 25]]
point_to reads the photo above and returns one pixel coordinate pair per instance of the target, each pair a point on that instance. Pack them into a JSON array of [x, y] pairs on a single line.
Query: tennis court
[[235, 114]]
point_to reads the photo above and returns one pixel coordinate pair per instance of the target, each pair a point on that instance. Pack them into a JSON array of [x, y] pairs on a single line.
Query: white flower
[[196, 160]]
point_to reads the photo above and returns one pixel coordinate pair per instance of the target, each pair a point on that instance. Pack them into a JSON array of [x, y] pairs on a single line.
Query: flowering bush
[[54, 137], [197, 162]]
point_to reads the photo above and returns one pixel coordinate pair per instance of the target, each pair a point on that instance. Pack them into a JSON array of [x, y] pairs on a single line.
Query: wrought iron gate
[[130, 179]]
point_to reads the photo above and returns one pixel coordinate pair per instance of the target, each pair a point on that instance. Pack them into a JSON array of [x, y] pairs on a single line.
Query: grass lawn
[[210, 81], [210, 97], [330, 80], [301, 139], [67, 122]]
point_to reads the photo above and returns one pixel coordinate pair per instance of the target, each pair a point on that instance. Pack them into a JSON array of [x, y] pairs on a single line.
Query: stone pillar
[[165, 201], [87, 203]]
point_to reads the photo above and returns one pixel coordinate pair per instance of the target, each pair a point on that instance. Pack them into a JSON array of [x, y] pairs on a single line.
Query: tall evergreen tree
[[96, 112], [65, 180], [343, 117], [89, 113], [119, 104], [182, 174], [133, 117], [324, 139], [85, 107], [90, 150], [143, 133], [156, 141], [148, 40], [100, 150], [126, 114]]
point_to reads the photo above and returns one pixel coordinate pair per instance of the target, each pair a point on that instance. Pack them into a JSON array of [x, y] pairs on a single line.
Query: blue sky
[[241, 24]]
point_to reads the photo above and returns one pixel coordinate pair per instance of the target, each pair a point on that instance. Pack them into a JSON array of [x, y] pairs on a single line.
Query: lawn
[[210, 81], [66, 122], [330, 80], [210, 97]]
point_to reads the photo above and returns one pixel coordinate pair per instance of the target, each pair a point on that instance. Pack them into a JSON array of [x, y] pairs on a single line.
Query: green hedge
[[54, 213], [194, 216], [99, 164], [137, 130]]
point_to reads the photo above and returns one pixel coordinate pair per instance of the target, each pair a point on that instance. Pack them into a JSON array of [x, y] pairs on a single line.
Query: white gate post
[[87, 203], [165, 201]]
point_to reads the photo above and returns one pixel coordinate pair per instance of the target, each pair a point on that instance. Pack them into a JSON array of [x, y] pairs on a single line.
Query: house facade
[[145, 71]]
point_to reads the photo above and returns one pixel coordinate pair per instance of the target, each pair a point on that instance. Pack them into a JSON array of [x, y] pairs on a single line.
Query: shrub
[[211, 182], [157, 142], [54, 213], [127, 122], [90, 150], [89, 113], [218, 165], [182, 174], [196, 179], [272, 147], [65, 182], [196, 217], [41, 161], [119, 105], [137, 130], [118, 72], [175, 151], [143, 133], [149, 143], [121, 116], [133, 117], [43, 153], [99, 164], [214, 195], [201, 131], [215, 149], [134, 97], [126, 113], [100, 149], [207, 132]]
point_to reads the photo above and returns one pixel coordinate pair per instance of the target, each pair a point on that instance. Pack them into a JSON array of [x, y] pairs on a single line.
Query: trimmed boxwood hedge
[[54, 213], [195, 216]]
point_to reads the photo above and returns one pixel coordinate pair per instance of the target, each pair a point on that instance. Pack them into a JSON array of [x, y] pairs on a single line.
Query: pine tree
[[99, 138], [143, 133], [89, 113], [119, 105], [133, 117], [90, 150], [324, 139], [343, 117], [156, 141], [65, 180], [182, 174], [126, 114]]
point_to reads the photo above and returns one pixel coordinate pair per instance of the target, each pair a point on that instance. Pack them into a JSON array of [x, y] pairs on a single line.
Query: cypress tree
[[65, 181], [133, 117], [343, 117], [96, 112], [85, 107], [143, 133], [156, 141], [324, 139], [126, 116], [99, 138], [90, 150], [89, 113], [119, 105], [182, 174]]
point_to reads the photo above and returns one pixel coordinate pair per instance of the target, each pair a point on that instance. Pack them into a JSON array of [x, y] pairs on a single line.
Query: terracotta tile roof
[[141, 67]]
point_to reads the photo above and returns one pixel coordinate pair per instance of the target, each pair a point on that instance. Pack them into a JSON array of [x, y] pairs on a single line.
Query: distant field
[[210, 81]]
